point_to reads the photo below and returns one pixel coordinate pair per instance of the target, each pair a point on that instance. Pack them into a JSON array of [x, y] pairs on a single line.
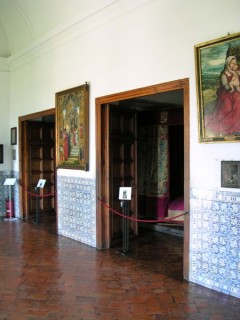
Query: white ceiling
[[24, 21]]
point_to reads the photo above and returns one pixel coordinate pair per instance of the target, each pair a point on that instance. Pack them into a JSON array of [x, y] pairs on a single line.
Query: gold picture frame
[[72, 128], [218, 89]]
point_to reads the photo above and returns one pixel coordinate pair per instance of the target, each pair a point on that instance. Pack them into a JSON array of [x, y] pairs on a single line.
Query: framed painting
[[230, 174], [13, 136], [218, 89], [72, 128], [1, 153]]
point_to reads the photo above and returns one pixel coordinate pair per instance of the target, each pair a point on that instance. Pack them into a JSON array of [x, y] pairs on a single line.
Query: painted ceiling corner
[[24, 22]]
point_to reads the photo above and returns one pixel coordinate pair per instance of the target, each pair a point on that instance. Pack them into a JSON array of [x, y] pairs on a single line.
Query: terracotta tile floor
[[45, 276]]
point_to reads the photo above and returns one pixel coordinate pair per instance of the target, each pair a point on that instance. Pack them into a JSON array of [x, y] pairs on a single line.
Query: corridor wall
[[131, 45]]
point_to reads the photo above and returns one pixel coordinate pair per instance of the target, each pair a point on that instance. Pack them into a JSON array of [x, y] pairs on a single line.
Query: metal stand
[[10, 201], [125, 224], [37, 204]]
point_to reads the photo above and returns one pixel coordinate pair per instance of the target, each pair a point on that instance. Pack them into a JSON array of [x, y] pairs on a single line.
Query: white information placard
[[125, 193], [41, 183], [9, 182]]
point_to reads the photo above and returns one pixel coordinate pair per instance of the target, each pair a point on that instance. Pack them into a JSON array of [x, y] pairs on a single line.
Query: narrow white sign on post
[[9, 182], [41, 183], [125, 193]]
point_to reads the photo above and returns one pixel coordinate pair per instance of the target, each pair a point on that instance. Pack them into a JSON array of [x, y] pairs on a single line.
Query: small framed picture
[[13, 136], [1, 153], [230, 174]]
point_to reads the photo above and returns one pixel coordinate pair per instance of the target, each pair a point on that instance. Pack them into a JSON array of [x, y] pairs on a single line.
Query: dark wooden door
[[122, 166], [41, 165]]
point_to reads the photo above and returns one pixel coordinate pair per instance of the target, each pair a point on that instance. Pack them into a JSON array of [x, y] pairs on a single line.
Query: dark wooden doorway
[[37, 161], [103, 164], [123, 164]]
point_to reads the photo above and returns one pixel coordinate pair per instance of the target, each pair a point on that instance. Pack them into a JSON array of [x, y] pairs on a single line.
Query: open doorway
[[37, 161], [125, 117], [160, 158]]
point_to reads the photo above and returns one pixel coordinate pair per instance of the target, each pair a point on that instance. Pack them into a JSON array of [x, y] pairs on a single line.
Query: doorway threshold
[[174, 230]]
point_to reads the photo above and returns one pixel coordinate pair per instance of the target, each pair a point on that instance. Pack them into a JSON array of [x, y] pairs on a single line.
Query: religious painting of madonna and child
[[72, 128], [218, 89]]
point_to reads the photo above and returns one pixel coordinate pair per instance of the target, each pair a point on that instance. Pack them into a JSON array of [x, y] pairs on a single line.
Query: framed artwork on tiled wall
[[218, 89], [72, 128], [230, 174]]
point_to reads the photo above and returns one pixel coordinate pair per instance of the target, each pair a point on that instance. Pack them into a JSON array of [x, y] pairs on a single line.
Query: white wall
[[5, 115], [129, 45]]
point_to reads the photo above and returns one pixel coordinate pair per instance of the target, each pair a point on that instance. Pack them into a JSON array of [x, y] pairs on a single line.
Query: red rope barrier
[[40, 196], [141, 220], [37, 195]]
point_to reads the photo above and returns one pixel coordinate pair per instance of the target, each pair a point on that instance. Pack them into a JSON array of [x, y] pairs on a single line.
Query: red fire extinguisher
[[9, 209]]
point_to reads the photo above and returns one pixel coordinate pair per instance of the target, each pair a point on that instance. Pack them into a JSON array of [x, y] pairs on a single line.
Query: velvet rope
[[140, 220], [38, 195]]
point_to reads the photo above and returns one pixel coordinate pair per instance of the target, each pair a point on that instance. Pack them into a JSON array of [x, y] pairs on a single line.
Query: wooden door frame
[[23, 170], [102, 159]]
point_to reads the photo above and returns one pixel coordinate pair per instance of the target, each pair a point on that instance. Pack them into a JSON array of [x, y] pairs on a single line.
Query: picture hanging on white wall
[[1, 153], [13, 136], [230, 174], [72, 128], [218, 89]]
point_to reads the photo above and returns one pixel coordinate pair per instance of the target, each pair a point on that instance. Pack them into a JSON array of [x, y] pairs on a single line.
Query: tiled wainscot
[[215, 240], [77, 209]]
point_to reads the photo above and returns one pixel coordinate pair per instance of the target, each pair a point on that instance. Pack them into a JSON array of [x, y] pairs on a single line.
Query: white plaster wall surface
[[5, 117], [127, 46]]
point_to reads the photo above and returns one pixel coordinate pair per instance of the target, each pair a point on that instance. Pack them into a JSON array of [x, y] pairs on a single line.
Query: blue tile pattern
[[215, 240], [77, 208]]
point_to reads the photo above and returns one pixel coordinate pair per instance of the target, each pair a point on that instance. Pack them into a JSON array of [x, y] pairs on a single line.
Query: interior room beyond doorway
[[37, 161], [139, 101]]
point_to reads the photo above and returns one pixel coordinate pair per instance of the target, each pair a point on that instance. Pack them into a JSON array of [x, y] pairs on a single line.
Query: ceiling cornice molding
[[67, 31], [4, 65], [79, 26]]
